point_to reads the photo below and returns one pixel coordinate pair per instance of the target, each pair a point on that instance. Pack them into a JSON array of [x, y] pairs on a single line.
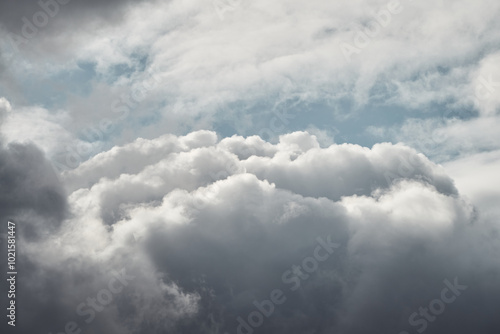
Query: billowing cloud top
[[203, 232]]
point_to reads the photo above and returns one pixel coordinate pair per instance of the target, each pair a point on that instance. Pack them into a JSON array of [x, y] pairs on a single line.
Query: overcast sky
[[235, 166]]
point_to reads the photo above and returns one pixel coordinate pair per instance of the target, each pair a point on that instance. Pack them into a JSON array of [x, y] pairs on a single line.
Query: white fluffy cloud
[[5, 105], [207, 227], [486, 85], [50, 131]]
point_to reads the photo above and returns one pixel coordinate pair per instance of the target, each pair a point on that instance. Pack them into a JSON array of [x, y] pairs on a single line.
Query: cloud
[[210, 227], [32, 197], [475, 177], [52, 288], [5, 105], [235, 69], [444, 139], [487, 85], [71, 12], [31, 189]]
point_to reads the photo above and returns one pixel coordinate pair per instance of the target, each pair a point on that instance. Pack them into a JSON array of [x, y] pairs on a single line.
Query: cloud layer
[[209, 227]]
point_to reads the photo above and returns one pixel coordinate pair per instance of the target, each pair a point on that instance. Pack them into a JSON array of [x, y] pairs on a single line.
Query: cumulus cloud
[[173, 230], [210, 227]]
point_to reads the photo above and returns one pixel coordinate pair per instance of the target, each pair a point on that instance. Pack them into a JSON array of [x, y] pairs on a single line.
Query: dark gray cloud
[[380, 275], [32, 197], [72, 12], [31, 189], [55, 29], [47, 296]]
